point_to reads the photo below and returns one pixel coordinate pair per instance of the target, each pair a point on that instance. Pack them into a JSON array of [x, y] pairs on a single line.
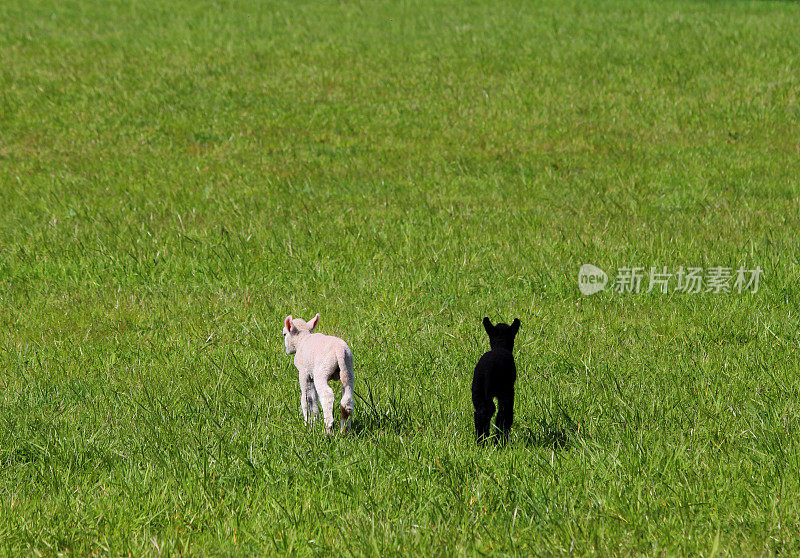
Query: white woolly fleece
[[320, 358]]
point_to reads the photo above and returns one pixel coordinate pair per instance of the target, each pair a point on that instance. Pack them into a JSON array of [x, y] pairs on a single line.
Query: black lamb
[[494, 377]]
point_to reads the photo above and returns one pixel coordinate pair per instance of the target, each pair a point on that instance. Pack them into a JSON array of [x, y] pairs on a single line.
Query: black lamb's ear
[[515, 325], [487, 325]]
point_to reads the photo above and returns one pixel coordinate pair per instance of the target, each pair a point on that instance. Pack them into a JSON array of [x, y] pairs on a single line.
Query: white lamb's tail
[[347, 377]]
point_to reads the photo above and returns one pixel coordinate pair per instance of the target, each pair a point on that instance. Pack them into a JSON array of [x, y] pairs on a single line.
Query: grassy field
[[176, 177]]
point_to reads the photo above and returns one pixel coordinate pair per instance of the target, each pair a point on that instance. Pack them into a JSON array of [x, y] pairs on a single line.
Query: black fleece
[[494, 378]]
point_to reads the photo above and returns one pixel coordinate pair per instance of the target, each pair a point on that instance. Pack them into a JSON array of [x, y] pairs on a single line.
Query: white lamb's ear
[[313, 323], [287, 322]]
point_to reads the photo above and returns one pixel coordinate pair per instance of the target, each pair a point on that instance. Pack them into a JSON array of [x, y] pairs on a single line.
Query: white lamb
[[320, 358]]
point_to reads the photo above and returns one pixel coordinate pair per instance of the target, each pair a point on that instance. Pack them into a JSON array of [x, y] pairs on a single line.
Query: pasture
[[177, 177]]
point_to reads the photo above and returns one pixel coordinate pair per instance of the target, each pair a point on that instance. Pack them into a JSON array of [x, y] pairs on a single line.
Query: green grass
[[176, 177]]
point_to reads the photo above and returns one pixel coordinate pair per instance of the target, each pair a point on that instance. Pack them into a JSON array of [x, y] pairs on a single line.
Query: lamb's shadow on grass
[[559, 433], [373, 424], [371, 418]]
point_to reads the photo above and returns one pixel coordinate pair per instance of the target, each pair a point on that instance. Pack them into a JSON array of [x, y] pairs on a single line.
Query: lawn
[[178, 176]]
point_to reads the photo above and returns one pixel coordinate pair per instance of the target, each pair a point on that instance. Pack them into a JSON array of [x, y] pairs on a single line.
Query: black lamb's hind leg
[[505, 415], [483, 419]]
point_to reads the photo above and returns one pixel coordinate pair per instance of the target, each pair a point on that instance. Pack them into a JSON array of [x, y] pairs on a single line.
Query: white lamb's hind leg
[[346, 405], [348, 379], [325, 394], [347, 410]]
